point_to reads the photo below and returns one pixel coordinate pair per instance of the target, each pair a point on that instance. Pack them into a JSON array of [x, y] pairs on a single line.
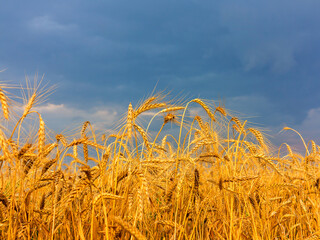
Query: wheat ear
[[84, 127], [24, 150], [47, 165], [75, 152], [4, 104], [76, 142], [144, 105], [221, 110], [145, 108], [129, 120], [4, 199], [258, 136], [85, 152], [29, 105], [41, 136], [143, 134], [205, 107], [48, 149], [62, 139], [171, 109], [237, 121], [129, 228], [196, 182]]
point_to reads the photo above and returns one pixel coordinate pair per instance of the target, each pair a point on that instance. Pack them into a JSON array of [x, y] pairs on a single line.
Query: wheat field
[[174, 176]]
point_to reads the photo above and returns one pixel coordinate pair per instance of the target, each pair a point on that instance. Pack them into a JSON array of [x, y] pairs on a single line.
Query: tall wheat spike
[[75, 152], [84, 127], [41, 136], [29, 105], [4, 104], [130, 121]]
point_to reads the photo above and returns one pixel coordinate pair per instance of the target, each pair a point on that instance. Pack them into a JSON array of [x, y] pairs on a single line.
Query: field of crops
[[174, 176]]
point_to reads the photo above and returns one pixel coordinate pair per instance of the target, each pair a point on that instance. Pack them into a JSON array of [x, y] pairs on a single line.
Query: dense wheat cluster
[[211, 178]]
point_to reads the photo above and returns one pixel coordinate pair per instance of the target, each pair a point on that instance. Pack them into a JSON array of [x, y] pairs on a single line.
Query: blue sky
[[262, 58]]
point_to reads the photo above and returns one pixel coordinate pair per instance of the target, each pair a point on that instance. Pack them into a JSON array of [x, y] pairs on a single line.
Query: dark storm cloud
[[115, 51]]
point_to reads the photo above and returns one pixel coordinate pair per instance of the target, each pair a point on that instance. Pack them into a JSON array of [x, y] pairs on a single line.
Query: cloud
[[278, 58], [59, 116], [46, 24], [310, 127], [256, 107], [261, 56]]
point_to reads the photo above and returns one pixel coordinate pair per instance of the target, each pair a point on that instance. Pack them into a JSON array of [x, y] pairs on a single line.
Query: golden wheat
[[143, 184]]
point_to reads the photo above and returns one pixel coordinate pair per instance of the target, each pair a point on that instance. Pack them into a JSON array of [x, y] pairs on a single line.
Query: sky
[[261, 58]]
